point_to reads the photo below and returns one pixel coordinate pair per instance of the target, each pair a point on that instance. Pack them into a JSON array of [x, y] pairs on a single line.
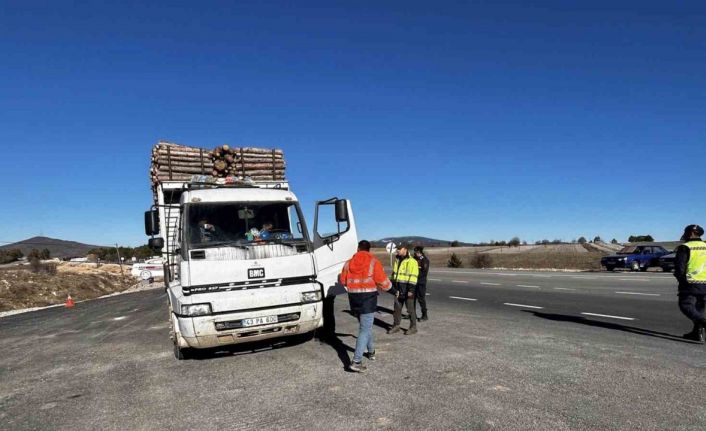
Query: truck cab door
[[335, 242]]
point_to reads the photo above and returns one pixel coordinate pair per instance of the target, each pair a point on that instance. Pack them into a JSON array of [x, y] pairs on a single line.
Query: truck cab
[[241, 265]]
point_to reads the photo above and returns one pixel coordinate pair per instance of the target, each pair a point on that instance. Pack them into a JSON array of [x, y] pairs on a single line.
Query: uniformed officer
[[404, 278], [690, 271]]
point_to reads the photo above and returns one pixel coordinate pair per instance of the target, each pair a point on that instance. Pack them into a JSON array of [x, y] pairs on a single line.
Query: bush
[[481, 260], [455, 261], [36, 266]]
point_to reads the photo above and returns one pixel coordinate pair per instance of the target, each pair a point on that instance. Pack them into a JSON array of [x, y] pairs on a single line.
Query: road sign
[[391, 247]]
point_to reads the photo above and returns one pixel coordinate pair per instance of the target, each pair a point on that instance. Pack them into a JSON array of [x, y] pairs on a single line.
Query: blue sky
[[459, 120]]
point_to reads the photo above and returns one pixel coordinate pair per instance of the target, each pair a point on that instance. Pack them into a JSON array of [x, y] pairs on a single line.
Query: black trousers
[[329, 329], [421, 296], [406, 299], [693, 307]]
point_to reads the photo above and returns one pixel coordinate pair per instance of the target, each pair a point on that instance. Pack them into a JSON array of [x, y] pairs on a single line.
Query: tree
[[45, 254], [454, 261], [614, 241], [514, 242], [454, 244], [9, 256], [556, 241], [597, 239], [640, 238], [545, 241], [34, 254], [583, 240]]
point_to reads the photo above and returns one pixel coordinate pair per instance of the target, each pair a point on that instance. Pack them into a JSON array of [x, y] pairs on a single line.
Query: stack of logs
[[173, 162]]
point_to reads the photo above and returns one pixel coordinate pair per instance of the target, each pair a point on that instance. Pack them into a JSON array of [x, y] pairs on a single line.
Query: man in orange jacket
[[363, 276]]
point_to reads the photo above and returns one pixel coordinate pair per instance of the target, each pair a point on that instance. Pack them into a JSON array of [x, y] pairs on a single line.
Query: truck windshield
[[217, 224]]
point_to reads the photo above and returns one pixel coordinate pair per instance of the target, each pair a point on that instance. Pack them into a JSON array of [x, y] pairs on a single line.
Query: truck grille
[[237, 324]]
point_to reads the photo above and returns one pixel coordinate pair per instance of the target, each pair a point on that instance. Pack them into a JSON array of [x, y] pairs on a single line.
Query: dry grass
[[22, 288], [565, 256]]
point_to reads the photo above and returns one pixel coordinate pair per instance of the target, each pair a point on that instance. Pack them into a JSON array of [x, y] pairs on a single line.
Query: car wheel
[[145, 275], [644, 268], [635, 266], [610, 268], [666, 269]]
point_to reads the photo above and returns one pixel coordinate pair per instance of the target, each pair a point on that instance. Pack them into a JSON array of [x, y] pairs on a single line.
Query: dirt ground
[[22, 288]]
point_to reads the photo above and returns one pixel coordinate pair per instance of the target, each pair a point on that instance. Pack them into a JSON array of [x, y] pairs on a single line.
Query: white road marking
[[491, 284], [434, 279], [608, 316], [527, 285], [634, 279], [119, 318], [563, 288], [541, 276], [458, 281], [639, 293], [522, 305], [462, 298]]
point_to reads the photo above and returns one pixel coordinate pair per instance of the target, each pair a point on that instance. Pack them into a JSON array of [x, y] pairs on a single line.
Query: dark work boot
[[697, 334], [395, 329], [424, 317]]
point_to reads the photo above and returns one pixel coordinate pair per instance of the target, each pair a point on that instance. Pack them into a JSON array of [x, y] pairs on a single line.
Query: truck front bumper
[[233, 328]]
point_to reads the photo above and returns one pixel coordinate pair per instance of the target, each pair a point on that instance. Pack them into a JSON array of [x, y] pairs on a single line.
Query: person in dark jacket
[[690, 271], [363, 275], [421, 293]]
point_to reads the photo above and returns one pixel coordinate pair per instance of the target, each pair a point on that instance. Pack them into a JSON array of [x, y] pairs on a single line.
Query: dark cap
[[403, 245], [693, 229], [419, 249]]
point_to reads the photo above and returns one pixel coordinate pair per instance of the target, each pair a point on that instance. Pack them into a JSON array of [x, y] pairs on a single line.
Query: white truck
[[240, 264]]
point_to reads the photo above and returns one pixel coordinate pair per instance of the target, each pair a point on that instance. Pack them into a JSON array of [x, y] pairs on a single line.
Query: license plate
[[259, 321], [256, 273]]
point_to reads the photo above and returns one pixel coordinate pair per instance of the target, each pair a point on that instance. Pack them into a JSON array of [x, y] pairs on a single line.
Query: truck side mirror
[[151, 222], [341, 210], [156, 244]]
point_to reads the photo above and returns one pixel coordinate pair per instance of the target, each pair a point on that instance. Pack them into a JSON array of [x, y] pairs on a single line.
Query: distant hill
[[416, 240], [57, 247]]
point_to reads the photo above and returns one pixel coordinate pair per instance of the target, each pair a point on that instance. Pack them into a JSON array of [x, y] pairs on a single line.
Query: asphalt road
[[503, 350]]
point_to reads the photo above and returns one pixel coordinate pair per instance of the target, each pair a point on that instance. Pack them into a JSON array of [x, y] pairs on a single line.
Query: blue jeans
[[365, 336]]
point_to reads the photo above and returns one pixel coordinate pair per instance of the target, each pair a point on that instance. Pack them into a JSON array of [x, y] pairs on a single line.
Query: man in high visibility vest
[[363, 276], [405, 272], [690, 271]]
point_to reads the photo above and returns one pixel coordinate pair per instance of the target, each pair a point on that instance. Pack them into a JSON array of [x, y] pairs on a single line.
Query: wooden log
[[261, 150], [181, 162]]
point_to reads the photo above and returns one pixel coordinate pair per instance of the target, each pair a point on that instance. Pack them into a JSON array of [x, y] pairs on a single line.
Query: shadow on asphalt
[[608, 325], [248, 348]]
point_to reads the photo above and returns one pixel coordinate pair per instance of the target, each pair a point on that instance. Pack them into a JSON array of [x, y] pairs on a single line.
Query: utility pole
[[120, 261]]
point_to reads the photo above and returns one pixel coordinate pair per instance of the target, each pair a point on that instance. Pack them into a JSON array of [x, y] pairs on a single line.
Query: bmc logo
[[256, 273]]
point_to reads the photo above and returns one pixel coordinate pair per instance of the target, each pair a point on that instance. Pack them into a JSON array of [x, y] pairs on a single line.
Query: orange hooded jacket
[[364, 273]]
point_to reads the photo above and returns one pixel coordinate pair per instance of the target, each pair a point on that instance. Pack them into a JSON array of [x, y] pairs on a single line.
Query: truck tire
[[644, 268], [181, 353], [666, 269], [635, 266], [610, 268]]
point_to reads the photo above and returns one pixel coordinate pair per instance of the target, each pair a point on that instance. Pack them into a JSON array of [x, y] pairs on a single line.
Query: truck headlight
[[196, 310], [311, 296]]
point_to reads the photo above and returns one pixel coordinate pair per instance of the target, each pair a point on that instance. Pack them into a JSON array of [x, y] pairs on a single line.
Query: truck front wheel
[[635, 266], [181, 353], [610, 268]]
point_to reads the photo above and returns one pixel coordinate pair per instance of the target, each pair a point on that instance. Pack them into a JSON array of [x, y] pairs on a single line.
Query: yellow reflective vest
[[696, 270], [405, 271]]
